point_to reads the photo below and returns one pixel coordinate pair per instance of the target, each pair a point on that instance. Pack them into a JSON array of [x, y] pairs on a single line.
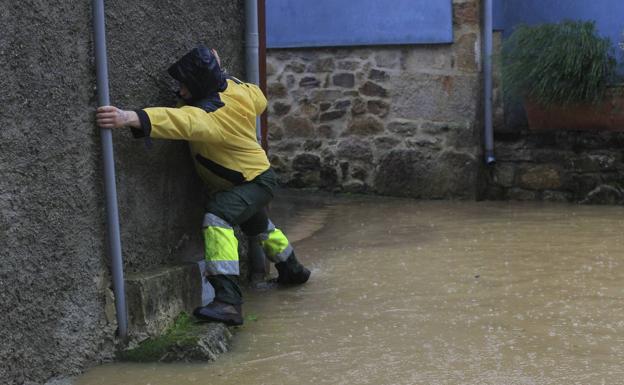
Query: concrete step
[[156, 297]]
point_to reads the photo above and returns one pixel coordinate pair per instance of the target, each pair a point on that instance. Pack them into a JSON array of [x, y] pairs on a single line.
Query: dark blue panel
[[499, 14], [318, 23], [608, 14]]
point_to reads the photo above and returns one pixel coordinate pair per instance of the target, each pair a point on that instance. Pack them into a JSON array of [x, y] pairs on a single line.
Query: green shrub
[[562, 63]]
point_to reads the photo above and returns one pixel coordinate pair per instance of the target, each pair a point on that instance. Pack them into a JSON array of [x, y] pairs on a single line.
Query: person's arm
[[186, 123]]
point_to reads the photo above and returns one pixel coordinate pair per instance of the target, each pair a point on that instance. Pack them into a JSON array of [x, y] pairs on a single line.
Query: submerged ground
[[413, 292]]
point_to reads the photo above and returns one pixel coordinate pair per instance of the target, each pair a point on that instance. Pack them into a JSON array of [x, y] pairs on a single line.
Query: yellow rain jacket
[[223, 142]]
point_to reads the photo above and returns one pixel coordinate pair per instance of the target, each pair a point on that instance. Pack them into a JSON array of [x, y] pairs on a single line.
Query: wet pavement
[[419, 292]]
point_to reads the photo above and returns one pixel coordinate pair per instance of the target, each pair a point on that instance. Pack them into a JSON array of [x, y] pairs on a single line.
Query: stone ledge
[[156, 297], [186, 340]]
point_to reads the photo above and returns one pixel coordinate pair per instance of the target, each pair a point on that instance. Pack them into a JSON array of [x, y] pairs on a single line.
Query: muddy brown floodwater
[[417, 292]]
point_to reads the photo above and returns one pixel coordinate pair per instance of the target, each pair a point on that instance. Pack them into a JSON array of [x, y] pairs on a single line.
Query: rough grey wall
[[53, 275]]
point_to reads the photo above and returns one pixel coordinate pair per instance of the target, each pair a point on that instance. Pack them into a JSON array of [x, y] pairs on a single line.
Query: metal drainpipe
[[487, 75], [112, 212], [252, 66]]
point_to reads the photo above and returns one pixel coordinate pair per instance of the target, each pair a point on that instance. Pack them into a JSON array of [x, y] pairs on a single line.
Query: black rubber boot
[[226, 306], [291, 272], [218, 311]]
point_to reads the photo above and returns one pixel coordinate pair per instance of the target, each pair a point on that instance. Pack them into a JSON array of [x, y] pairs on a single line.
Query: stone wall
[[563, 166], [396, 120], [54, 281]]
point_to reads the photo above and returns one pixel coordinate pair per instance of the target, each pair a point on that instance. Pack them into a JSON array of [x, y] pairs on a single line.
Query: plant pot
[[606, 115]]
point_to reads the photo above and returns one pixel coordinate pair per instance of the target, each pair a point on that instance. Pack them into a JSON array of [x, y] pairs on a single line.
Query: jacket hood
[[199, 70]]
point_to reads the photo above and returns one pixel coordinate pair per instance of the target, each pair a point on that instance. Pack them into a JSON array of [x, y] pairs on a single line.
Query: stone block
[[518, 194], [342, 104], [582, 184], [373, 89], [306, 162], [359, 173], [329, 177], [312, 144], [282, 54], [332, 115], [386, 143], [308, 109], [355, 149], [277, 163], [556, 196], [309, 82], [322, 65], [290, 81], [326, 131], [431, 175], [305, 179], [378, 107], [346, 80], [426, 58], [348, 65], [539, 177], [271, 69], [324, 106], [403, 127], [513, 151], [466, 13], [275, 131], [434, 128], [287, 146], [596, 162], [466, 52], [388, 58], [156, 297], [424, 141], [377, 75], [605, 194], [325, 95], [364, 126], [504, 174], [355, 187], [359, 107], [277, 90], [281, 109], [295, 67], [298, 127], [185, 341], [439, 98]]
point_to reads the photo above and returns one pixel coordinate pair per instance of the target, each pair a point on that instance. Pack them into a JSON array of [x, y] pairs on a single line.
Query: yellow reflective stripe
[[220, 244], [275, 243]]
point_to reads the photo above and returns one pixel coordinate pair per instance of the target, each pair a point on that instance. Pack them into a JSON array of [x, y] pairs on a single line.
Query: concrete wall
[[396, 120], [54, 282]]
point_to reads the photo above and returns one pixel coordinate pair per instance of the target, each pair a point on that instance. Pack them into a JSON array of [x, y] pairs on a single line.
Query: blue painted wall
[[608, 14], [317, 23]]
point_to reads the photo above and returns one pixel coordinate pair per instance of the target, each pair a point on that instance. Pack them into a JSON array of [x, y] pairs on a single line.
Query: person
[[218, 118]]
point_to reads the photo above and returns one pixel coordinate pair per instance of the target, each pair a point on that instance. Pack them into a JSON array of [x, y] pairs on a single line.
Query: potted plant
[[564, 73]]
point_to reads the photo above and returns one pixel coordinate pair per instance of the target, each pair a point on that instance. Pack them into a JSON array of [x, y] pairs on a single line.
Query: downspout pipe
[[112, 211], [252, 68], [488, 27], [252, 56]]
